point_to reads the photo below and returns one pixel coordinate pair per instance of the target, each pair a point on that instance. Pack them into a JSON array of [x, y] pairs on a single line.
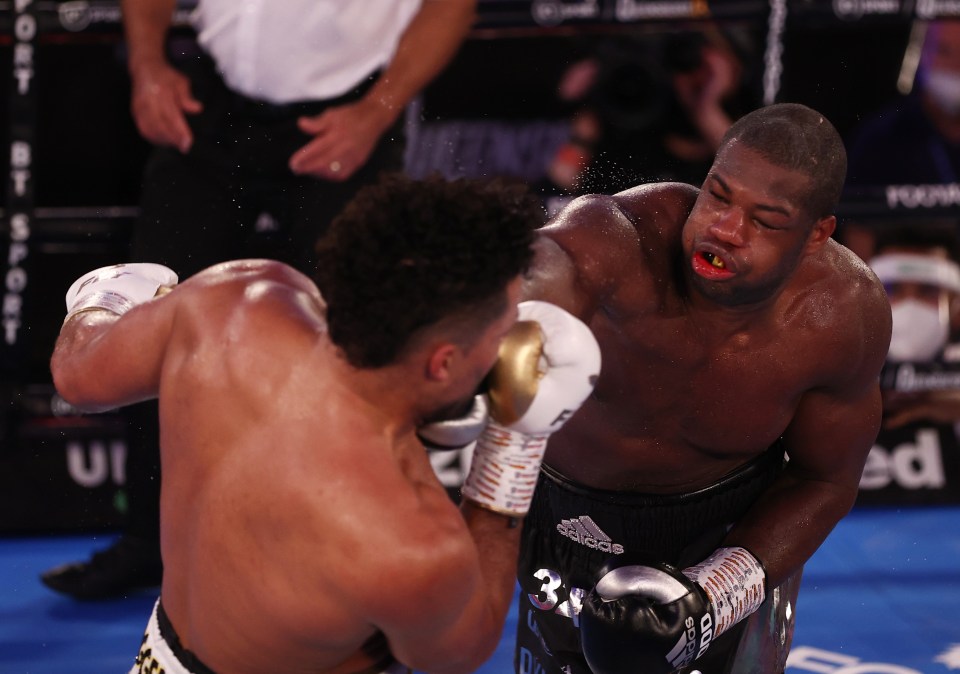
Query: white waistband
[[156, 656]]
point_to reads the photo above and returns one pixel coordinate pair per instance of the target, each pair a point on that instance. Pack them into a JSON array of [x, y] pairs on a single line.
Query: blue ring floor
[[881, 596]]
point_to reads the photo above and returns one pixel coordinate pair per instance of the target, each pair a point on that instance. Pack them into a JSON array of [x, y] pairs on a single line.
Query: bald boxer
[[728, 431], [303, 528]]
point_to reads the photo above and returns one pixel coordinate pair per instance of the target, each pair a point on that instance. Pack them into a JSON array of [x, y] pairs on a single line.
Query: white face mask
[[919, 331], [943, 86]]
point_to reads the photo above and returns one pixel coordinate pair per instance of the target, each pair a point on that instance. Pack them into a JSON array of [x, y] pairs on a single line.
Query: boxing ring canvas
[[879, 597]]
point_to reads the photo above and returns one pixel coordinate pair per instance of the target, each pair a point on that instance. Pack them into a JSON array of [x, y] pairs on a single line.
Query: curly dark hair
[[796, 137], [406, 254]]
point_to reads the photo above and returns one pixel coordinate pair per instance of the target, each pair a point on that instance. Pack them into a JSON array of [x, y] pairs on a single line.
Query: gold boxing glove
[[548, 365]]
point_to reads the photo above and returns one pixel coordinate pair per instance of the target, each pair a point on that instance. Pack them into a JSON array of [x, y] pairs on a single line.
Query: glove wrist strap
[[734, 581], [107, 300], [504, 470]]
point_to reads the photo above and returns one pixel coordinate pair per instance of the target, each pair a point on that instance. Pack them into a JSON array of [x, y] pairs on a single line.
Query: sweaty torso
[[684, 397], [272, 476]]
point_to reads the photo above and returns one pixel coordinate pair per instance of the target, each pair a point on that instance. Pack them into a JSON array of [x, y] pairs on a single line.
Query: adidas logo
[[585, 531], [682, 654]]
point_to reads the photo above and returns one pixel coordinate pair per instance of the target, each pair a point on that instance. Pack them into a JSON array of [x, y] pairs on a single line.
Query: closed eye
[[722, 198]]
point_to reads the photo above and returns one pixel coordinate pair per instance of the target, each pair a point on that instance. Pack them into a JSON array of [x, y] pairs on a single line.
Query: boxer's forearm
[[75, 362], [789, 522], [497, 538], [101, 362]]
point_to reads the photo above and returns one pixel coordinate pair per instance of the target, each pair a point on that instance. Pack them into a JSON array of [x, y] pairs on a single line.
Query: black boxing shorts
[[572, 531], [162, 653]]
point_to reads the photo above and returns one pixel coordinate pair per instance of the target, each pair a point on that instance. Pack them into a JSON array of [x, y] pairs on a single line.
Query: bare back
[[276, 528], [687, 395]]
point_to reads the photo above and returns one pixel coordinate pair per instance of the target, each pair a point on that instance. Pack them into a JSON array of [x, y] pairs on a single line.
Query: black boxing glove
[[657, 619]]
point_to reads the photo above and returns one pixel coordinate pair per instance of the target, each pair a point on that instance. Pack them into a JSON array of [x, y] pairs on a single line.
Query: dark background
[[87, 158]]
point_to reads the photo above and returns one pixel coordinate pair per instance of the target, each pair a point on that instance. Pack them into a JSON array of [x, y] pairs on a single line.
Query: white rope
[[773, 58]]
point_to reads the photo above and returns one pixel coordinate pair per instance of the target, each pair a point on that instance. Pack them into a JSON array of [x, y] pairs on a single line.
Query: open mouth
[[714, 260], [710, 265]]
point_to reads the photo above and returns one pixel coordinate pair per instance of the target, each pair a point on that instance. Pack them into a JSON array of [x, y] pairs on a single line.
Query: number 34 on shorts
[[552, 589]]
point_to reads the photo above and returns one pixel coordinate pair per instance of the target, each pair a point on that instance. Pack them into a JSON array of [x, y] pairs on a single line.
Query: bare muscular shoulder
[[598, 242], [665, 205], [845, 306], [243, 340], [282, 358], [251, 314], [305, 475], [253, 285]]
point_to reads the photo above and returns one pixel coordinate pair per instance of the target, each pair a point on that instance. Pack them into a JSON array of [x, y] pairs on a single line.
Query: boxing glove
[[118, 288], [657, 619], [547, 366], [459, 433]]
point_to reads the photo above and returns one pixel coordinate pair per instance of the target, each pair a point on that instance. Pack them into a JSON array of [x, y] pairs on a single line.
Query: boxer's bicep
[[451, 582], [832, 430], [835, 424], [832, 433], [429, 616], [581, 255], [553, 277], [441, 632]]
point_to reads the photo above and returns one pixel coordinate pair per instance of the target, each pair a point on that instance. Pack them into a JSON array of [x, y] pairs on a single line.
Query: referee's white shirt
[[293, 50]]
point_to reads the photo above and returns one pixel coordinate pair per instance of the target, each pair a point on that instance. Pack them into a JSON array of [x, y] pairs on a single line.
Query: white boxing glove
[[460, 433], [548, 365], [118, 288]]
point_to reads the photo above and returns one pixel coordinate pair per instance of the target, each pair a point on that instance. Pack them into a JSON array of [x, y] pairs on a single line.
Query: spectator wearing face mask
[[914, 140], [919, 270], [921, 286]]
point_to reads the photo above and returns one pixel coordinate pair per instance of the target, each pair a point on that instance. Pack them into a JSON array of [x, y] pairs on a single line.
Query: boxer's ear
[[440, 361], [821, 232]]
